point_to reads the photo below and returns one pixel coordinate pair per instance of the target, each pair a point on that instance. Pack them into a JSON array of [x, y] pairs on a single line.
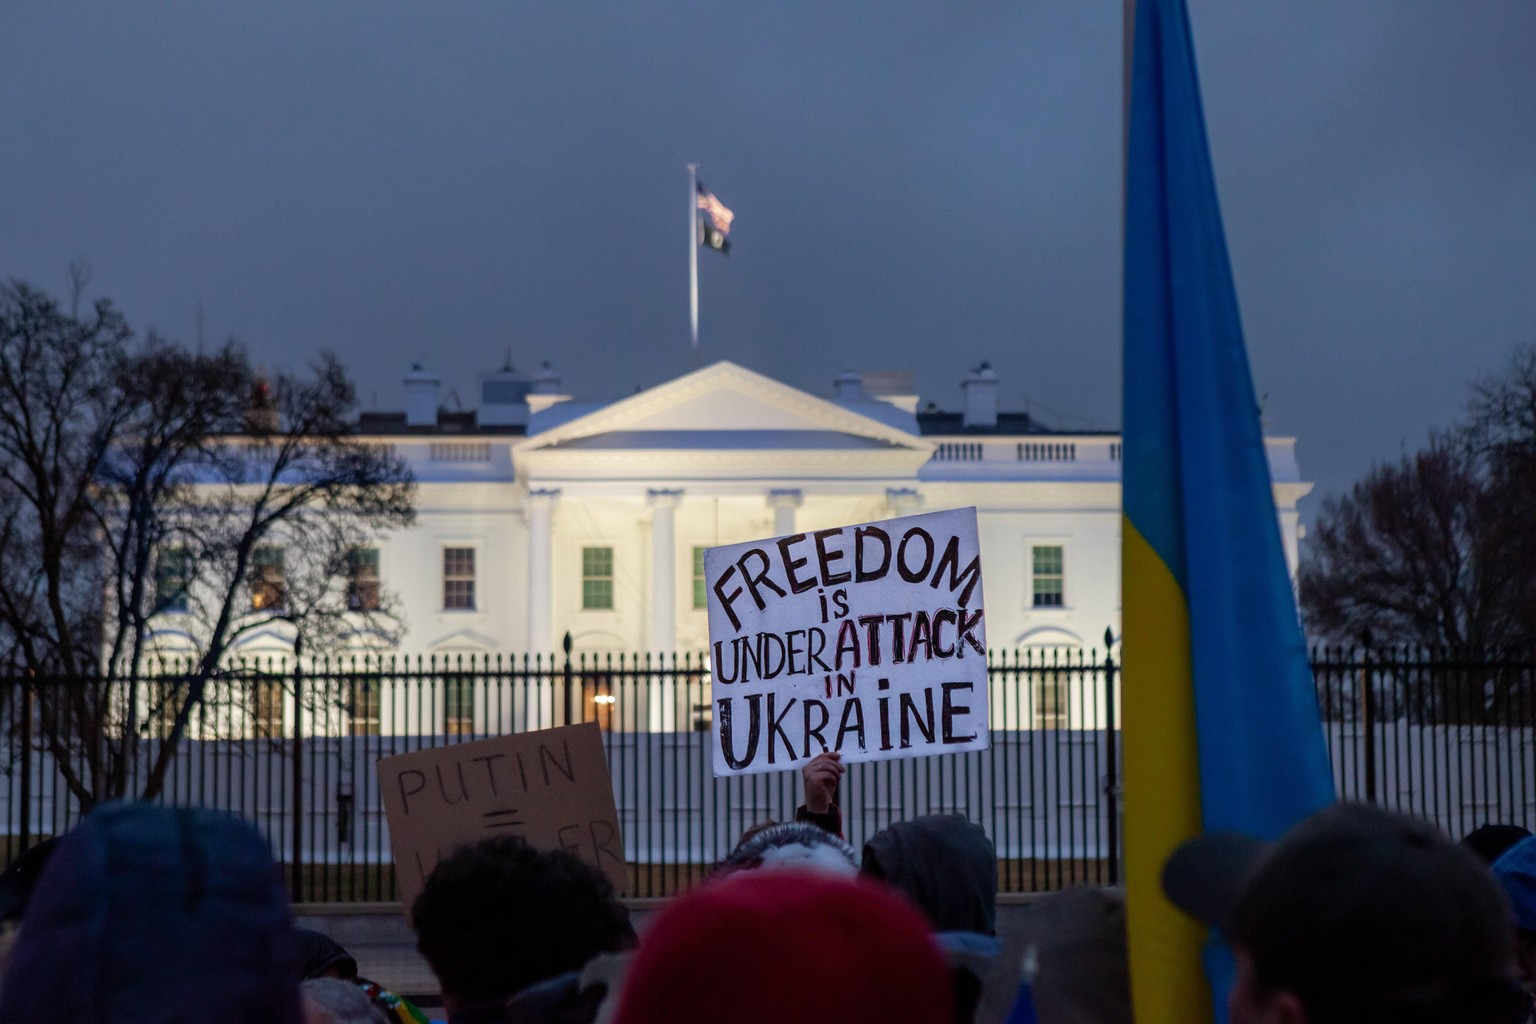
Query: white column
[[903, 501], [540, 509], [784, 504], [663, 569], [663, 701]]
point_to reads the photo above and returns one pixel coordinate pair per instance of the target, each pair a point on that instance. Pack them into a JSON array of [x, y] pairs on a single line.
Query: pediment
[[464, 640], [275, 641], [722, 406]]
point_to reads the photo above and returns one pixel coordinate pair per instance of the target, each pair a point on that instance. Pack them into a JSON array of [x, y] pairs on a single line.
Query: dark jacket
[[945, 864], [560, 1000], [149, 914]]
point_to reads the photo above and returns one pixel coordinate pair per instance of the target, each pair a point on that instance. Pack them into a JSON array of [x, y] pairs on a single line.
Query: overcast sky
[[918, 186]]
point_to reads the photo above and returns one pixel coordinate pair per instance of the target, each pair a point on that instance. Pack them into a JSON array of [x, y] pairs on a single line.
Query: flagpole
[[693, 252]]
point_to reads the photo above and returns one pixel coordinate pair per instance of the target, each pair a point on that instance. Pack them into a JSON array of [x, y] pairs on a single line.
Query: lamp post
[[297, 769], [1111, 775]]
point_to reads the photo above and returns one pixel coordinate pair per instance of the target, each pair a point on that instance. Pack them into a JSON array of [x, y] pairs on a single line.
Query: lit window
[[363, 580], [164, 700], [596, 578], [458, 706], [363, 706], [700, 591], [269, 583], [266, 709], [171, 580], [1049, 693], [1048, 576], [459, 578]]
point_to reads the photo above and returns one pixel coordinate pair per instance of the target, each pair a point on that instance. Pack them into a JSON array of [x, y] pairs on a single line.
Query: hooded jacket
[[945, 864], [152, 914]]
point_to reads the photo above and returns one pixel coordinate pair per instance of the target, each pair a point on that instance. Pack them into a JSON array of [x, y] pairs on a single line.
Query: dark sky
[[917, 186]]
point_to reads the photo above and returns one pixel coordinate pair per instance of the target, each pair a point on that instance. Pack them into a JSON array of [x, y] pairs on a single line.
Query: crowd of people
[[1357, 914]]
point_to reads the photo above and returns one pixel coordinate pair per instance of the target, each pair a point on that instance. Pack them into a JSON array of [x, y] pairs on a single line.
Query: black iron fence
[[292, 747], [1444, 735]]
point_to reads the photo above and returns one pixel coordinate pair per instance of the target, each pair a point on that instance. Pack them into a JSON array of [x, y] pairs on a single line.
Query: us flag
[[715, 225]]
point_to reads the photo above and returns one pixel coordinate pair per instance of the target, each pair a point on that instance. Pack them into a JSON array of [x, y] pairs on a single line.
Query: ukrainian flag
[[1221, 723]]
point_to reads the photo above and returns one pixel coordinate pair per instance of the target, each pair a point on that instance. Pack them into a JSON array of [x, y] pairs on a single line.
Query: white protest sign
[[867, 640]]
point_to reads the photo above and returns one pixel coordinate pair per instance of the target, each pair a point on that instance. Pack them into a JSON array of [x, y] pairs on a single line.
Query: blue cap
[[1516, 872]]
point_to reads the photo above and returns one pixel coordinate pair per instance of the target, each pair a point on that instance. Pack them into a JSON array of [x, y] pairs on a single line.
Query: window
[[700, 590], [458, 706], [596, 578], [459, 578], [363, 580], [266, 708], [363, 707], [164, 701], [171, 580], [1049, 692], [269, 584], [1048, 576]]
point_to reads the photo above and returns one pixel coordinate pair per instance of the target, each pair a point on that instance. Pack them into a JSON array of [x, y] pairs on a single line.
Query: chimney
[[504, 398], [849, 386], [547, 380], [420, 397], [261, 415], [546, 390], [981, 398]]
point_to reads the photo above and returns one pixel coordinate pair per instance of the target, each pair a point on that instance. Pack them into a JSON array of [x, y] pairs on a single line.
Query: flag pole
[[693, 252]]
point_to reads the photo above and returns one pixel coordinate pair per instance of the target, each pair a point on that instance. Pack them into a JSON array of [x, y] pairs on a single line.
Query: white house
[[540, 515]]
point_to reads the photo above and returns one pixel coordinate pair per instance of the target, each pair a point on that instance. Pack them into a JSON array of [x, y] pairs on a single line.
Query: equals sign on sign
[[501, 819]]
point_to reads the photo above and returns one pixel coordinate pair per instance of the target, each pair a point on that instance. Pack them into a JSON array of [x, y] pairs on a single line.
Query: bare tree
[[145, 492], [1399, 555], [1438, 549]]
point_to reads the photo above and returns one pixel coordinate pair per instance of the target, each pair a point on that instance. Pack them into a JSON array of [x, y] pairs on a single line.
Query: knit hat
[[1357, 910], [763, 947], [153, 913]]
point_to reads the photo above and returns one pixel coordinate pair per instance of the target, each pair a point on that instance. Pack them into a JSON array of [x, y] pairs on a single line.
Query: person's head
[[761, 947], [495, 917], [1354, 914], [334, 1001], [321, 956], [1490, 841], [19, 879], [797, 845], [754, 831], [157, 913], [1515, 872], [16, 884], [944, 864], [1082, 971]]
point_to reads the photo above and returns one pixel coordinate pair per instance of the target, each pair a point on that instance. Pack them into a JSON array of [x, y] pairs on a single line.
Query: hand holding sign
[[868, 640], [821, 775]]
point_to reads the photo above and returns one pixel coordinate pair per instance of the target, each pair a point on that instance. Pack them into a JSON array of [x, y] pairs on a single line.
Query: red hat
[[763, 947]]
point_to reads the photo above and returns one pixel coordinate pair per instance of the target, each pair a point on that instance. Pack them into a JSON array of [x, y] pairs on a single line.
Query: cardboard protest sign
[[550, 787], [867, 640]]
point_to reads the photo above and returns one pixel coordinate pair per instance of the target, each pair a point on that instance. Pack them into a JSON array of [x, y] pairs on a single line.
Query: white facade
[[588, 521]]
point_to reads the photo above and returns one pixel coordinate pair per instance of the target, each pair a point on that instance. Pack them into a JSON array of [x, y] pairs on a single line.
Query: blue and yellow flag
[[1221, 724]]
